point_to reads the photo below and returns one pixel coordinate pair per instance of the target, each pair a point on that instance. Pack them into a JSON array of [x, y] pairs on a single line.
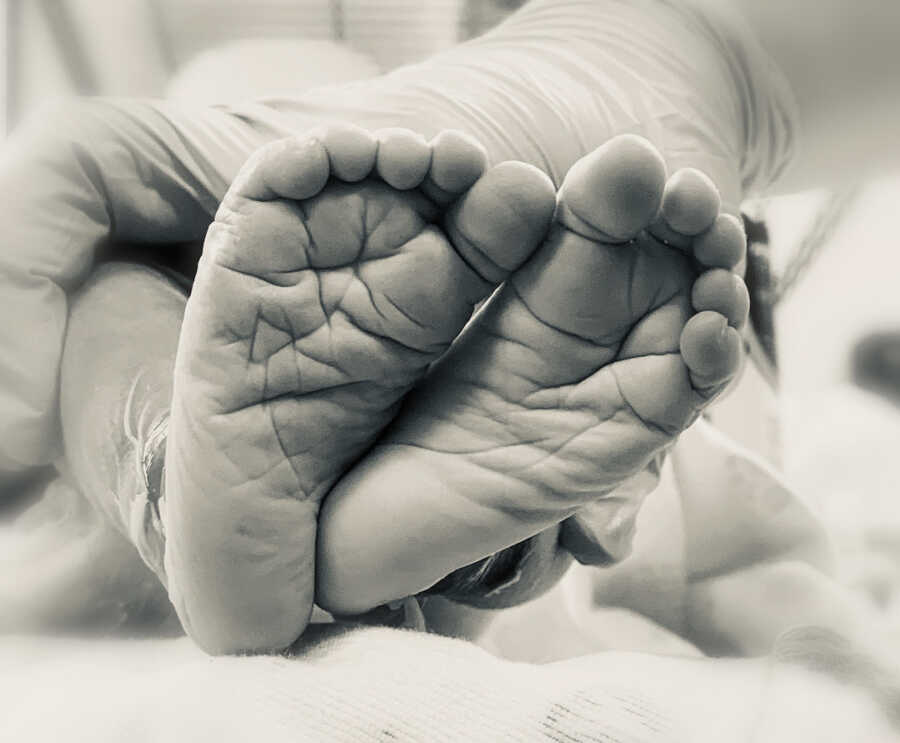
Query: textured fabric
[[359, 685], [345, 684]]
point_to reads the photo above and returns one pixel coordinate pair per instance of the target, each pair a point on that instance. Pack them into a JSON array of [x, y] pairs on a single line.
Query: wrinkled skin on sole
[[580, 372], [317, 305]]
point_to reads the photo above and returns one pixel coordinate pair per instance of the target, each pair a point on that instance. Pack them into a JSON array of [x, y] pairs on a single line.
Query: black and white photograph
[[450, 371]]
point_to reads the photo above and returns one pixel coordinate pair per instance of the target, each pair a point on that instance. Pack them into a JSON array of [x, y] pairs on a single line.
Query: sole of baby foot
[[318, 303], [594, 356]]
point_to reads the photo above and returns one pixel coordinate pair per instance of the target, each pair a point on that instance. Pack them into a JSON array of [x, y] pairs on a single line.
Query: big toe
[[502, 219], [615, 192]]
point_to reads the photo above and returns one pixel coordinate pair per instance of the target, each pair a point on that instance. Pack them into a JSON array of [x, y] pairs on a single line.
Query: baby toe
[[292, 168], [502, 219], [723, 245], [351, 151], [457, 161], [721, 291], [615, 192], [711, 349], [690, 202], [403, 158]]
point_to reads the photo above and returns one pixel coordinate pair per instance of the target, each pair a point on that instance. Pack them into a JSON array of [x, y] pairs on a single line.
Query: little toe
[[502, 219], [711, 350], [615, 192], [292, 168], [403, 158], [457, 161], [721, 291], [351, 151], [723, 245]]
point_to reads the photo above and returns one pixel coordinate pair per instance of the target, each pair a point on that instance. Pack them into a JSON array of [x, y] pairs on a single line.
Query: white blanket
[[345, 684]]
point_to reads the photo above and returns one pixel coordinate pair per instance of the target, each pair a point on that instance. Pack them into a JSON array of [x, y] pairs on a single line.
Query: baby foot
[[596, 354], [338, 268]]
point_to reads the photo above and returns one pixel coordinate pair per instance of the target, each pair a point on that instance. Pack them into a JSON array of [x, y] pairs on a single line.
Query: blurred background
[[138, 47], [834, 423]]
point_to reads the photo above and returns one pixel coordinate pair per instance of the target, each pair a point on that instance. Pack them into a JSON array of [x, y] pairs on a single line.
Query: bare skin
[[597, 353], [315, 309], [318, 304]]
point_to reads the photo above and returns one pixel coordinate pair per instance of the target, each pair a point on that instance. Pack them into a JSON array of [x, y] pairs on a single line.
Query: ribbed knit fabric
[[354, 685], [368, 685]]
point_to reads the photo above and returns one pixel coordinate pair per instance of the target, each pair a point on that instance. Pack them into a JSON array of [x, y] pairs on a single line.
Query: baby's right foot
[[311, 316], [597, 353]]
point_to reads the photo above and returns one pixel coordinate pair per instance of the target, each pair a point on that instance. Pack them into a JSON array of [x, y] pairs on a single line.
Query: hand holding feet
[[318, 303], [596, 354]]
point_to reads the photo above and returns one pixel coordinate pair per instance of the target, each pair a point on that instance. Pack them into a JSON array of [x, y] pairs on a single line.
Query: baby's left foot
[[339, 267], [598, 352]]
